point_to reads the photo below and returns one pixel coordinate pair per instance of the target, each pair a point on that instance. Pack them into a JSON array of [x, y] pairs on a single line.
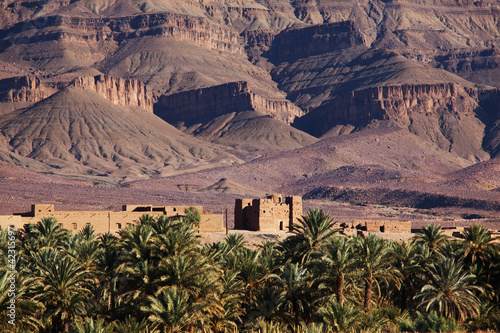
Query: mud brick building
[[107, 221], [271, 214], [384, 226]]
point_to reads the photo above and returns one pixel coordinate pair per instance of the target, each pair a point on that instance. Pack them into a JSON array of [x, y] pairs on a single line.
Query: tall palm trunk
[[402, 303], [368, 295], [340, 289]]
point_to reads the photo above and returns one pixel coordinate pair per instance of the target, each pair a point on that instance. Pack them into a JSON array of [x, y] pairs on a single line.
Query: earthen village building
[[107, 221], [271, 214]]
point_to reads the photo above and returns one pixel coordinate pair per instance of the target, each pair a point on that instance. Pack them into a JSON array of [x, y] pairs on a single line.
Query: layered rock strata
[[123, 92], [202, 105], [318, 39], [24, 89], [179, 26], [443, 113]]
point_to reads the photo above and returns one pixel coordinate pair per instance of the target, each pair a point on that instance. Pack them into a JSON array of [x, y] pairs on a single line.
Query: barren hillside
[[206, 98]]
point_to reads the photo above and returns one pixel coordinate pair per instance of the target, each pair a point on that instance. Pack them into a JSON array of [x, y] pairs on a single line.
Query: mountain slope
[[251, 131], [80, 132]]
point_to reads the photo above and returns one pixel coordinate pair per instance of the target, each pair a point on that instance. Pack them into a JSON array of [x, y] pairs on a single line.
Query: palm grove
[[156, 276]]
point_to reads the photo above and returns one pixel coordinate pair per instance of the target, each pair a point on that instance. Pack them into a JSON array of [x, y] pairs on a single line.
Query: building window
[[75, 226], [264, 211], [281, 225], [175, 209], [118, 226]]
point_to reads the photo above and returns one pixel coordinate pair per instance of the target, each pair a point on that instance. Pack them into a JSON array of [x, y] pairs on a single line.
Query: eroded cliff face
[[198, 30], [318, 39], [201, 105], [123, 92], [24, 89], [445, 114]]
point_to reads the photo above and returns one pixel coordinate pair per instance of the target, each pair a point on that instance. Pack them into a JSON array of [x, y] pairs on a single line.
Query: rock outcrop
[[123, 92], [445, 114], [201, 105], [24, 89], [318, 39], [195, 29]]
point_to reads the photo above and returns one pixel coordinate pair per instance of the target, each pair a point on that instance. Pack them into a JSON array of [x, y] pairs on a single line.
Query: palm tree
[[89, 325], [173, 310], [433, 236], [252, 270], [88, 233], [25, 305], [131, 325], [374, 265], [477, 243], [295, 283], [267, 305], [46, 232], [409, 260], [311, 233], [234, 242], [108, 262], [333, 264], [262, 326], [342, 317], [450, 291], [63, 288]]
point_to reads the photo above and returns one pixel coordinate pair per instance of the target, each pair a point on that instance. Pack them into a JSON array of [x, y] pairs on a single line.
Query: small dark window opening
[[382, 228], [281, 225], [175, 209], [118, 225]]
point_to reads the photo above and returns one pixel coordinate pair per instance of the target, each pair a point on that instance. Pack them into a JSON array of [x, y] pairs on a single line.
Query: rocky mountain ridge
[[202, 105], [227, 71]]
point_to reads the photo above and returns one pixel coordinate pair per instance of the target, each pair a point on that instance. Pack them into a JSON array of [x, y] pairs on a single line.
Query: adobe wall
[[296, 211], [8, 220], [211, 223], [166, 210], [246, 214], [271, 214], [385, 226], [104, 221]]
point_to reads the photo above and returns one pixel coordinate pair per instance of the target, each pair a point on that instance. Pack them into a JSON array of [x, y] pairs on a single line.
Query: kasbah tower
[[271, 214]]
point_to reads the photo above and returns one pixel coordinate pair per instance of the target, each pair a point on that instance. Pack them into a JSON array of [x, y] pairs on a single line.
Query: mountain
[[80, 132], [270, 95]]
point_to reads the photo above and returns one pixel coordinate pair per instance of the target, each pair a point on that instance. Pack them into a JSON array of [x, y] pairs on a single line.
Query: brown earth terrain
[[369, 109]]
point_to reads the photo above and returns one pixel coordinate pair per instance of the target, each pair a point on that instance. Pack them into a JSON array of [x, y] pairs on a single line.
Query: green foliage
[[434, 323], [193, 215], [155, 276]]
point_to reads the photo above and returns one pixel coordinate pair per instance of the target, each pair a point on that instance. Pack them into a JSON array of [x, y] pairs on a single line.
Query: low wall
[[385, 226]]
